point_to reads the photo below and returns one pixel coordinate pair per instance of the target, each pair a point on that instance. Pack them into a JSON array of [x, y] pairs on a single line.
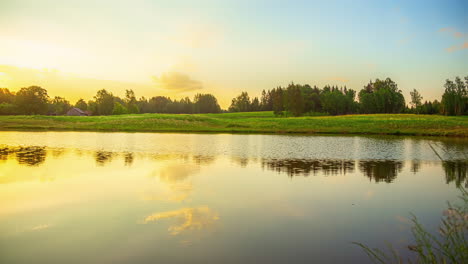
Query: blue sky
[[178, 48]]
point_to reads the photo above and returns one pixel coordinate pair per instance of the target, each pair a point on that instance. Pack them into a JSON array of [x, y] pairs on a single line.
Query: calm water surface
[[76, 197]]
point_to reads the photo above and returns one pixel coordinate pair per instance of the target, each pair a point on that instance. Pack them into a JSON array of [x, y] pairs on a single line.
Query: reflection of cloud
[[177, 81], [175, 176], [369, 194], [187, 219], [402, 219], [176, 172]]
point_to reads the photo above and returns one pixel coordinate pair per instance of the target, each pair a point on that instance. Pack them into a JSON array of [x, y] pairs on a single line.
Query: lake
[[84, 197]]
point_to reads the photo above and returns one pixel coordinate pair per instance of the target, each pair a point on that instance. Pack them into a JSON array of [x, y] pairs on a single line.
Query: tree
[[240, 103], [6, 96], [81, 104], [32, 100], [119, 109], [416, 99], [455, 97], [104, 102], [255, 105], [206, 103], [277, 96], [131, 102], [159, 104], [59, 106], [294, 100], [381, 96]]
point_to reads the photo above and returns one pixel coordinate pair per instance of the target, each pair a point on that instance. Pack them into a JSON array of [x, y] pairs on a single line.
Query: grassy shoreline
[[254, 122]]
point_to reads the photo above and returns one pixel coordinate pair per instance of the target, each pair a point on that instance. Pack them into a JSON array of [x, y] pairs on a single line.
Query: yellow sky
[[179, 48]]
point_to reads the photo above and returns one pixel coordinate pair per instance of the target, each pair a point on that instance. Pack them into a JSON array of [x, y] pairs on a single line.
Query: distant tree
[[381, 96], [255, 105], [143, 105], [104, 102], [32, 100], [131, 102], [277, 96], [206, 103], [416, 99], [6, 96], [7, 99], [81, 104], [59, 106], [240, 103], [266, 102], [8, 109], [294, 100], [92, 107], [159, 104], [119, 109], [187, 105], [455, 97]]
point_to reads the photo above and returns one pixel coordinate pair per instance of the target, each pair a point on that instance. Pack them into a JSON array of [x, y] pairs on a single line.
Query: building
[[76, 112]]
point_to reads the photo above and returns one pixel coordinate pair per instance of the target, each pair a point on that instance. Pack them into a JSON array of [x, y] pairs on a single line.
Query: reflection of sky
[[219, 200], [249, 146]]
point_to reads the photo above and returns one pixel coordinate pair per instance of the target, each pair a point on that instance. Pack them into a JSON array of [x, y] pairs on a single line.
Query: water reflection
[[128, 158], [381, 170], [186, 219], [376, 170], [31, 156], [301, 167], [456, 171], [103, 157]]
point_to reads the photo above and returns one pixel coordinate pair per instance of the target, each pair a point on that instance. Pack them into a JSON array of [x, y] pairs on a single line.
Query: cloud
[[177, 82], [40, 227], [452, 31], [457, 47], [456, 34]]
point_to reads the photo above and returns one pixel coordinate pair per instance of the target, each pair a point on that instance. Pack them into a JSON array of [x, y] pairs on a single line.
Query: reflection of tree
[[381, 170], [203, 160], [456, 171], [31, 156], [103, 157], [4, 152], [296, 167], [241, 161], [415, 166], [128, 157]]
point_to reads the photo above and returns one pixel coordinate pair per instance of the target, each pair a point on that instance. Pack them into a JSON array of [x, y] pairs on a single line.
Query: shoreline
[[247, 123]]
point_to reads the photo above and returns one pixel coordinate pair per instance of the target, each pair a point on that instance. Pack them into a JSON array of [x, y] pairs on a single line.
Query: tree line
[[34, 100], [379, 96]]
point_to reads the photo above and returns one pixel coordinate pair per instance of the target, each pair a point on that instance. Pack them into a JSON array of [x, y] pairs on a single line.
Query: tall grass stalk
[[448, 246]]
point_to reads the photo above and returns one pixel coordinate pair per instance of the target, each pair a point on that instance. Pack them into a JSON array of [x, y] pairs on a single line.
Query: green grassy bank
[[255, 122]]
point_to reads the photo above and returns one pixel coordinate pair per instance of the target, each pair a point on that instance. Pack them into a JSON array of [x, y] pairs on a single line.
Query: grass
[[449, 246], [253, 122]]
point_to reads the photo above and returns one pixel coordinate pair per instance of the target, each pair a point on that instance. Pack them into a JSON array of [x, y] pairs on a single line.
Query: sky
[[180, 48]]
